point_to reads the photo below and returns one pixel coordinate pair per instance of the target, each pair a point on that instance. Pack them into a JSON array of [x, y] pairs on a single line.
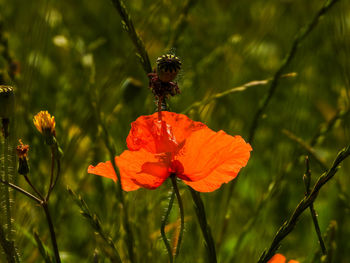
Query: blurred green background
[[75, 56]]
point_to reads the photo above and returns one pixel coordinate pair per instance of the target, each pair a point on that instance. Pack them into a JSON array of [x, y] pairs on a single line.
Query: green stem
[[136, 39], [289, 225], [163, 224], [182, 217], [307, 180], [17, 188], [52, 232], [7, 190], [51, 174], [33, 187], [202, 219]]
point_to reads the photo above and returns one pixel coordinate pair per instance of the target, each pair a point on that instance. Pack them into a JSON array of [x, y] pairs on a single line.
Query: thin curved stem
[[19, 189], [163, 224], [33, 187], [182, 217]]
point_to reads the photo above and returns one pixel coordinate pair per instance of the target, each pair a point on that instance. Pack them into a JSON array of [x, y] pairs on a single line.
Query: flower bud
[[22, 153], [45, 124]]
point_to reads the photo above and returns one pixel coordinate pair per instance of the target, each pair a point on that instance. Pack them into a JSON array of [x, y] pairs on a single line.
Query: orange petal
[[137, 169], [293, 261], [142, 168], [149, 133], [106, 170], [212, 158], [277, 258]]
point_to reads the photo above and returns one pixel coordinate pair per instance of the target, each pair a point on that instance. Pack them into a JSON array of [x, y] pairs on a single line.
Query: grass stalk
[[135, 38], [289, 225], [300, 36], [206, 231], [307, 180], [241, 88], [322, 131], [96, 225]]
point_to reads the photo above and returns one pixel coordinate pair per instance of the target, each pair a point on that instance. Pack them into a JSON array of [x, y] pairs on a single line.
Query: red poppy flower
[[279, 258], [176, 145]]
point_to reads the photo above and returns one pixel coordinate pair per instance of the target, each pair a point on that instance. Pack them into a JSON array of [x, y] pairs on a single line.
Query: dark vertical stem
[[202, 219], [307, 180], [182, 217], [162, 227], [52, 232]]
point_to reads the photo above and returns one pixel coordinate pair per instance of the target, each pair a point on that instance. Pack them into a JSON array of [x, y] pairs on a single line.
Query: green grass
[[76, 61]]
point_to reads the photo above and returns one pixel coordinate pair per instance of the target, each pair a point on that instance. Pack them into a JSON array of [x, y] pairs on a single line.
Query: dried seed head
[[167, 67], [22, 153], [7, 102], [22, 150]]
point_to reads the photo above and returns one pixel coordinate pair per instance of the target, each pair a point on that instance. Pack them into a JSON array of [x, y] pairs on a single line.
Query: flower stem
[[51, 174], [163, 224], [52, 232], [17, 188], [181, 207], [202, 219], [7, 190]]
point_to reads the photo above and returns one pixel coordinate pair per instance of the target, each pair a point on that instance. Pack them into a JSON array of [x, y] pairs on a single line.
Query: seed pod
[[7, 102], [167, 67]]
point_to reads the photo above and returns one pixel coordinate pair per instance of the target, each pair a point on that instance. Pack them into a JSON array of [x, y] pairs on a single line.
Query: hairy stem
[[182, 217], [163, 224], [7, 190]]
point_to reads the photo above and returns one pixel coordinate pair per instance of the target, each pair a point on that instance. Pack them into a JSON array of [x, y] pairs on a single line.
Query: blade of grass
[[96, 225], [289, 225], [300, 36], [243, 87], [135, 38]]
